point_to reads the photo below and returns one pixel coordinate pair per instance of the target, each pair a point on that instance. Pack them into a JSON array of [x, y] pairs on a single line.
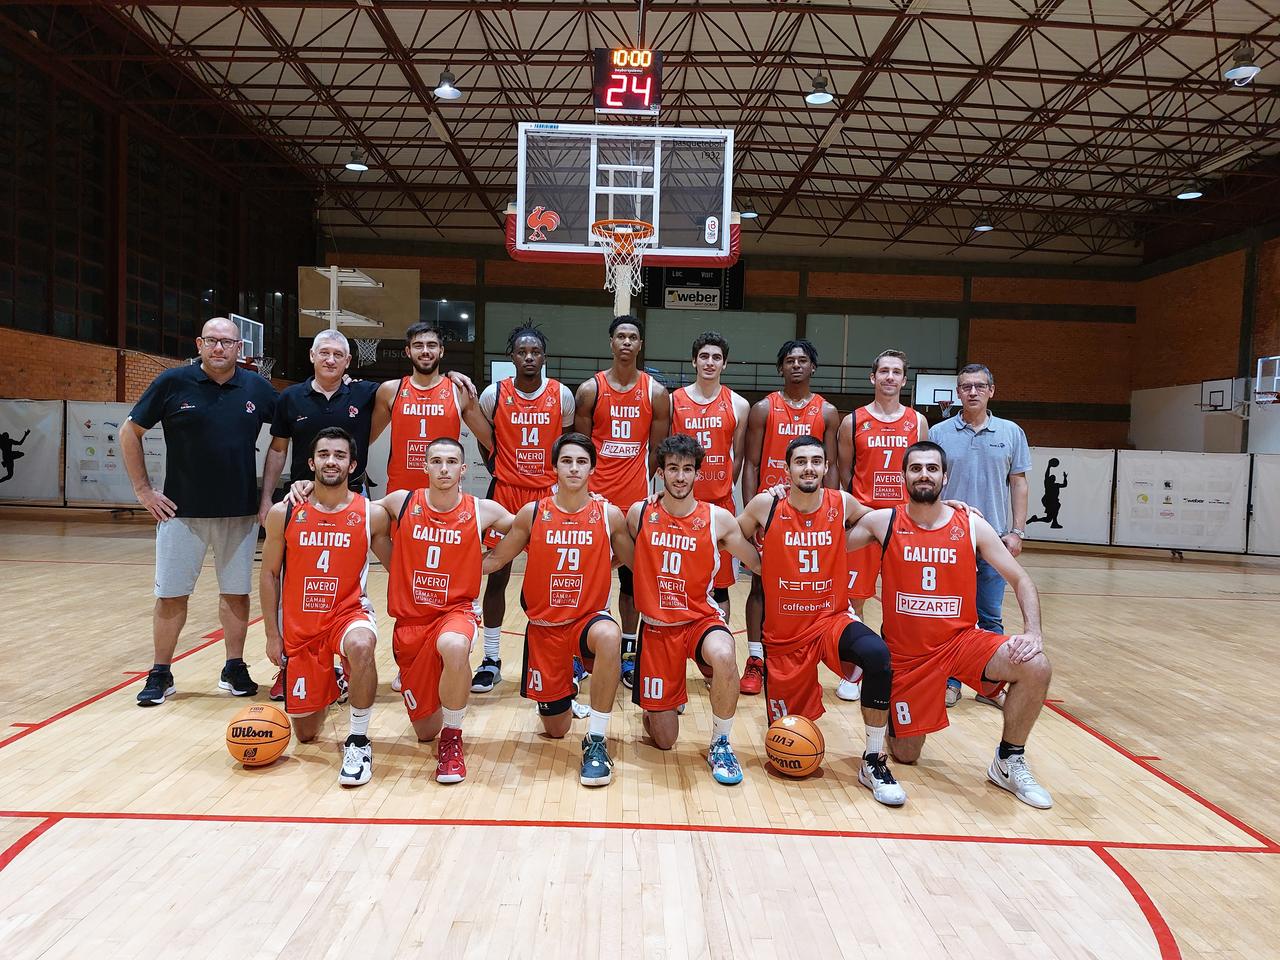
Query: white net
[[265, 365], [623, 257], [366, 352]]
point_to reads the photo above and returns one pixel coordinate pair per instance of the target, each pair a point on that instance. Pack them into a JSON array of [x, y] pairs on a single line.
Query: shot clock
[[627, 81]]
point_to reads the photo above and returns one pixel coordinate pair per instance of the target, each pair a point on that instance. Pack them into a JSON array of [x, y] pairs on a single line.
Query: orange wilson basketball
[[258, 734], [794, 745]]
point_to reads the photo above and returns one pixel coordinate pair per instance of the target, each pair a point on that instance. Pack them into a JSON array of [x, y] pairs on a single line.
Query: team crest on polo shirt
[[353, 412], [187, 406], [249, 407]]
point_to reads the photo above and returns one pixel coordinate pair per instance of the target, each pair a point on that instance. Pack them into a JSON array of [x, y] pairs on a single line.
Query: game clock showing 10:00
[[627, 81]]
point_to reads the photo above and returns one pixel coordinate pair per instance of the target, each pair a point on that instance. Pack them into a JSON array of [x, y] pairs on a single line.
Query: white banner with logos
[[30, 451], [1264, 527], [1070, 495], [1184, 501], [95, 467]]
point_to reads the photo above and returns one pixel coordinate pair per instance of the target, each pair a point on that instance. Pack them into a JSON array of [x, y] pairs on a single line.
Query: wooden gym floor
[[127, 831]]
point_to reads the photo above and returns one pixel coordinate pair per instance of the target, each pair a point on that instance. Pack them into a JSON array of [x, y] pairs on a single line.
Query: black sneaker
[[488, 676], [159, 685], [235, 677]]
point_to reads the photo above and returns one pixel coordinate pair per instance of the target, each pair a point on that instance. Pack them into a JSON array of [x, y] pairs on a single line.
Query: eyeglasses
[[227, 343], [973, 387]]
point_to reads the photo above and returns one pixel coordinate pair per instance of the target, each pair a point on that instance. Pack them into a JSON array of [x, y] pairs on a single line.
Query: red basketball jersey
[[568, 573], [878, 446], [675, 563], [783, 424], [326, 560], [418, 417], [712, 425], [929, 583], [620, 427], [435, 561], [524, 431], [805, 571]]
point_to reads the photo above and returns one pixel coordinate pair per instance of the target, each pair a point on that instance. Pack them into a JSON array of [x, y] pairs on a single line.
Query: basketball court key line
[[1159, 926]]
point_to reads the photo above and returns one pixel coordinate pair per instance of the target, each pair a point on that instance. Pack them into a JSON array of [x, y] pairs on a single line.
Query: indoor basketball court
[[1080, 199]]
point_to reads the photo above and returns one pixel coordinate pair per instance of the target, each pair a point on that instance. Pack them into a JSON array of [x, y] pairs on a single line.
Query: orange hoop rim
[[1266, 397], [622, 240]]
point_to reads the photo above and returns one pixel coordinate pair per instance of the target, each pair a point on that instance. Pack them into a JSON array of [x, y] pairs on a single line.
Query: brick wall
[[1266, 314], [1054, 361], [1090, 434]]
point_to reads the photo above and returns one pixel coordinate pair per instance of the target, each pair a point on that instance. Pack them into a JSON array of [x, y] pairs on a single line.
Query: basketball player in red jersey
[[434, 579], [807, 617], [677, 550], [869, 448], [626, 413], [315, 603], [929, 586], [528, 416], [716, 417], [422, 407], [572, 539], [783, 415]]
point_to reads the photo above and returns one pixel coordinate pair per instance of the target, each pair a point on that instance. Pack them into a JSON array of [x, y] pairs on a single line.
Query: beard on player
[[331, 477], [425, 365], [924, 490]]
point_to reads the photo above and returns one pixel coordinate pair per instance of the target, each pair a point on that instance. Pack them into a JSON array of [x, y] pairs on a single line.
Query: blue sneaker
[[723, 762], [597, 768], [629, 670]]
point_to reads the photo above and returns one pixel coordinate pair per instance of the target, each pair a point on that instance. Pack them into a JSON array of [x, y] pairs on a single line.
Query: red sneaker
[[752, 677], [450, 767], [277, 687]]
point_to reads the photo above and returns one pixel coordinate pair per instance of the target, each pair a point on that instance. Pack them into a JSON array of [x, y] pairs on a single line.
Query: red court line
[[26, 840], [1150, 596], [1207, 804], [622, 825], [209, 640], [1164, 936], [103, 563]]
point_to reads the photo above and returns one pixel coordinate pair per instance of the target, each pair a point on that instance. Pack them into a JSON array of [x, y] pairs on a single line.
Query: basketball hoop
[[366, 352], [623, 256], [1265, 398], [945, 407], [264, 367]]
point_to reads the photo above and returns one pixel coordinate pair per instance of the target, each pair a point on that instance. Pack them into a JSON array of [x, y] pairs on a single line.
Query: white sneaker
[[954, 693], [874, 774], [997, 701], [1015, 776], [395, 684], [848, 689], [580, 710], [357, 763]]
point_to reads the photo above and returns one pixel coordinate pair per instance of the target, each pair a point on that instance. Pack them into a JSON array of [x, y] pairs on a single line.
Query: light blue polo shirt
[[979, 464]]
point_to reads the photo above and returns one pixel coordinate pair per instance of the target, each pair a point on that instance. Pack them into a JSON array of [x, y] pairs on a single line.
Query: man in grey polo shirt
[[212, 413], [988, 460]]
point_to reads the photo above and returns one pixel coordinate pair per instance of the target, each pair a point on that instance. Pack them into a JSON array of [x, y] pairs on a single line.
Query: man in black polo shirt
[[212, 414]]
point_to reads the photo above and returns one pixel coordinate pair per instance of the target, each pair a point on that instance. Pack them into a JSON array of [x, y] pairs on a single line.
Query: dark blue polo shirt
[[210, 430], [303, 411]]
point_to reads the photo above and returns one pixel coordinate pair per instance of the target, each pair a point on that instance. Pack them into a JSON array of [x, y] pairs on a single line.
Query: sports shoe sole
[[843, 689], [223, 685], [366, 774], [867, 782], [155, 703], [481, 688], [450, 777], [597, 781]]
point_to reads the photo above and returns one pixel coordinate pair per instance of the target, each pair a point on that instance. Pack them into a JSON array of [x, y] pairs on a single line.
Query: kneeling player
[[677, 544], [322, 609], [929, 585], [572, 540], [433, 580], [807, 616]]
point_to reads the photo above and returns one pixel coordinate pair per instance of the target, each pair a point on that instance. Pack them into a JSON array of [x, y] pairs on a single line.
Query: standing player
[[424, 406], [930, 590], [626, 413], [794, 411], [572, 540], [434, 579], [315, 603], [807, 618], [678, 539], [528, 416], [869, 446], [716, 417]]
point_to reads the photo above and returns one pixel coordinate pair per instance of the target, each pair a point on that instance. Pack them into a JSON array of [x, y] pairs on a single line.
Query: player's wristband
[[1020, 534]]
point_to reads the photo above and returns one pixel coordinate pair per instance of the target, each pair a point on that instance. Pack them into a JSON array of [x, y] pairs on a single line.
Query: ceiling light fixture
[[1242, 69], [1190, 191], [749, 212], [446, 90], [356, 164], [819, 95], [984, 224]]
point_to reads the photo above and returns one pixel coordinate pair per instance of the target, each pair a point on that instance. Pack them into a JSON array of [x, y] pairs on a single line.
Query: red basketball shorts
[[414, 645], [512, 499], [726, 574], [548, 657], [309, 683], [864, 568], [918, 703], [661, 656], [791, 683]]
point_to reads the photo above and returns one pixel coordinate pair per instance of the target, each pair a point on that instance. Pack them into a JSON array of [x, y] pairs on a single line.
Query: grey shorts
[[181, 545]]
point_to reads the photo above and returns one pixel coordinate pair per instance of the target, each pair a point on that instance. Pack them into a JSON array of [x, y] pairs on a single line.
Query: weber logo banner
[[692, 298]]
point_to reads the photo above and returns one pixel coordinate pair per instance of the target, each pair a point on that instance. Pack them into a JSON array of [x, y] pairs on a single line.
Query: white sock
[[755, 649], [720, 728], [598, 725], [875, 740], [453, 718], [492, 642], [360, 721], [629, 643]]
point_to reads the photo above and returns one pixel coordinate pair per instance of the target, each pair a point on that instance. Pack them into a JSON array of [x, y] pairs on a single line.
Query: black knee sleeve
[[626, 585], [861, 645]]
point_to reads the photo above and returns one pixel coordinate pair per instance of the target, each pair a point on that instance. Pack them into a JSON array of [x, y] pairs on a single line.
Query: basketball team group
[[830, 507]]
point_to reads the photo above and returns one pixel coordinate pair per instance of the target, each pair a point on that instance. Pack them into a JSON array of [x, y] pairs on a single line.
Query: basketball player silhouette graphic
[[8, 455], [1051, 501]]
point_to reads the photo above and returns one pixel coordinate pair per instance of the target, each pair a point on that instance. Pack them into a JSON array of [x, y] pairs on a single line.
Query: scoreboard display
[[627, 81]]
